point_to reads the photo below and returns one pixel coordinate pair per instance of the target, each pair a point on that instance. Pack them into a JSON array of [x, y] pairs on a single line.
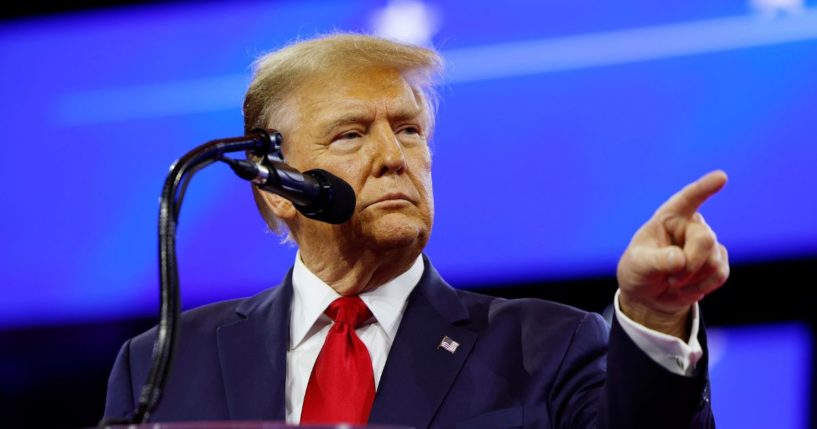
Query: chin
[[394, 231]]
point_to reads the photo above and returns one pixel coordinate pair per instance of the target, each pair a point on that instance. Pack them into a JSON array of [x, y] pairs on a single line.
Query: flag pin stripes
[[448, 344]]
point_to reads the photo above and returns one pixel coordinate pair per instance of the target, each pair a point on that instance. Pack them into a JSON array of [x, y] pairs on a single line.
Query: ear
[[277, 205]]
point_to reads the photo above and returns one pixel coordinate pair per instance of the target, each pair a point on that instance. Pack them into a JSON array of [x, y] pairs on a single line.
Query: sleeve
[[640, 393], [616, 385], [580, 379], [670, 352], [119, 402]]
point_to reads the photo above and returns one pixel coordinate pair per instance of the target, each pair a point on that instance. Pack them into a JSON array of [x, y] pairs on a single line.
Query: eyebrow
[[348, 119], [406, 114], [360, 117]]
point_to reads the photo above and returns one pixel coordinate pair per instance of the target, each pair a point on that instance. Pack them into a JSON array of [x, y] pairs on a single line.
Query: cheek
[[430, 197], [424, 182], [351, 169]]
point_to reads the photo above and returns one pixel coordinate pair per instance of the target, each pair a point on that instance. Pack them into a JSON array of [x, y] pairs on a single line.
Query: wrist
[[675, 323]]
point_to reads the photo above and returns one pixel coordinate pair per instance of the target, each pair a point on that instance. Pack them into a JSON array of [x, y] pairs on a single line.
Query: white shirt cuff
[[668, 351]]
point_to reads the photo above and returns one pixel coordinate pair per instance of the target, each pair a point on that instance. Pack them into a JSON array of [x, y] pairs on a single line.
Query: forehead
[[372, 89]]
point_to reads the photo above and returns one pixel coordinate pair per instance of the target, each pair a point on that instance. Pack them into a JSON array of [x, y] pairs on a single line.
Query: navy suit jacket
[[522, 363]]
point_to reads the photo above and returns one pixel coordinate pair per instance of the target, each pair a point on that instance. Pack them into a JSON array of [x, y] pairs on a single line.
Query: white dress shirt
[[308, 328]]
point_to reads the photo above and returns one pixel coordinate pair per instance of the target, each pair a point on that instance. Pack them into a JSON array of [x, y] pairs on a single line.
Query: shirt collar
[[311, 297]]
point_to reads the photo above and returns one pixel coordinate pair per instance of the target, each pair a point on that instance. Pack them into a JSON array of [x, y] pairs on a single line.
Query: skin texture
[[369, 127]]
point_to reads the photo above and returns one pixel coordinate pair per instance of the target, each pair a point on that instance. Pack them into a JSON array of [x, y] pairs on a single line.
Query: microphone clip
[[271, 153]]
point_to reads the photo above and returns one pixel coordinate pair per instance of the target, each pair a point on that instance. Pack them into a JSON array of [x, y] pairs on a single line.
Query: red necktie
[[341, 386]]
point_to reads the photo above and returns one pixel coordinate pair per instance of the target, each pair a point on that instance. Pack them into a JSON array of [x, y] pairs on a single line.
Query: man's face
[[370, 128]]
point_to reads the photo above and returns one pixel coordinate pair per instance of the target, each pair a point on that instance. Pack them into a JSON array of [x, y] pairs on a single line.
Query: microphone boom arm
[[260, 142]]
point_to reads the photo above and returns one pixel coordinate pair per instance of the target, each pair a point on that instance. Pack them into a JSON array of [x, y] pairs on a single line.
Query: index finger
[[687, 201]]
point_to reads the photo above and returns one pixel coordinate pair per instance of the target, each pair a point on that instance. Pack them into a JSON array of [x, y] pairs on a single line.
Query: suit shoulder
[[535, 311], [202, 320], [539, 332]]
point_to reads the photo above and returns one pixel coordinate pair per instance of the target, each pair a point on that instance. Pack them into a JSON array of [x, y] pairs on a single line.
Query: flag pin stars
[[448, 344]]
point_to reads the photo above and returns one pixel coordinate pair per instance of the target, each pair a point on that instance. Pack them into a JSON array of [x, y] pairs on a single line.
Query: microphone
[[317, 194]]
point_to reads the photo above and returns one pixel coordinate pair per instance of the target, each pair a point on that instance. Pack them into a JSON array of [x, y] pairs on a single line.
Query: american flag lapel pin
[[448, 344]]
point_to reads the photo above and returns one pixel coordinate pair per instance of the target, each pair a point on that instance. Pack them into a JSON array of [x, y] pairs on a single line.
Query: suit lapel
[[252, 352], [418, 372]]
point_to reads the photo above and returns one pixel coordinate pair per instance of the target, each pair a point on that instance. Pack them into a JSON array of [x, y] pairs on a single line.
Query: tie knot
[[350, 310]]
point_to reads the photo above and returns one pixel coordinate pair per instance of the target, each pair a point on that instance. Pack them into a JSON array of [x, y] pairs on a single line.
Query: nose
[[389, 157]]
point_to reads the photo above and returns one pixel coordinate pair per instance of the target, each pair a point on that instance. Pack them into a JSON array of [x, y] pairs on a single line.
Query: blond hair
[[277, 74]]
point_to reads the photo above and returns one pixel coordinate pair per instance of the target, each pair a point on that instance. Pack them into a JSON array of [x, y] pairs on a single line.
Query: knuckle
[[707, 241], [724, 253], [662, 218], [713, 260], [723, 273]]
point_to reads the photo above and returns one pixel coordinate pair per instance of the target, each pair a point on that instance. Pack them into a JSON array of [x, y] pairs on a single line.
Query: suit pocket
[[505, 418]]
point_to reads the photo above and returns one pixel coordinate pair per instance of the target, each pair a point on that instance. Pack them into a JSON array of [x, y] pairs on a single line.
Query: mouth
[[394, 198]]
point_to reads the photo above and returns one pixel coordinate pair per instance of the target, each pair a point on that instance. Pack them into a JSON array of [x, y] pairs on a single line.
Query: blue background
[[593, 112]]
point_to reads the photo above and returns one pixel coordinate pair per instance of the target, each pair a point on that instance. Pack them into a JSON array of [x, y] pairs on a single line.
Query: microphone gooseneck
[[181, 172], [259, 142], [317, 194]]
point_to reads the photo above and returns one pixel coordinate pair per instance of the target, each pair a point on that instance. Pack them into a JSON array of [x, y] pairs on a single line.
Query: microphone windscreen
[[337, 203]]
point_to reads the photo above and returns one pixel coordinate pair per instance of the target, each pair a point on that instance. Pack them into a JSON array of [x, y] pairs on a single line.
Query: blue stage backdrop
[[562, 127]]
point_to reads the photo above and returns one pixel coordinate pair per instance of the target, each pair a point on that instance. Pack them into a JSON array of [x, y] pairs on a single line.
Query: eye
[[410, 130], [349, 135], [347, 142]]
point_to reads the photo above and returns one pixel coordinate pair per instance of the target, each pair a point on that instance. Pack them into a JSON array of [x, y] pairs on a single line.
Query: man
[[402, 346]]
